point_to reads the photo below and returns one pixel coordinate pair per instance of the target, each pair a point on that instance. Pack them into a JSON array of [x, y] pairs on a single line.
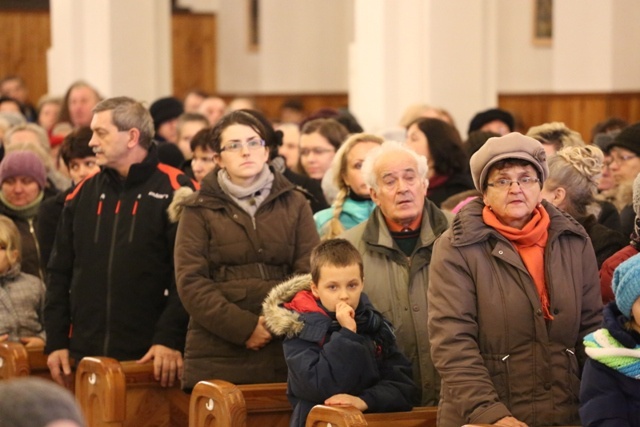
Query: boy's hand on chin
[[346, 400], [345, 316]]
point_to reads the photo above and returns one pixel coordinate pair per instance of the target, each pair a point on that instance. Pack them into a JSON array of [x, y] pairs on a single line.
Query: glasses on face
[[504, 184], [318, 151], [619, 159], [236, 147]]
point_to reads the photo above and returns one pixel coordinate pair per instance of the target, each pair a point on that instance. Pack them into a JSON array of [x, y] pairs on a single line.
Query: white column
[[121, 47], [436, 52]]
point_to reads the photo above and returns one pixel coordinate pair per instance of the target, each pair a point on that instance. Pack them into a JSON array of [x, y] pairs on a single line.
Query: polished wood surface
[[126, 394]]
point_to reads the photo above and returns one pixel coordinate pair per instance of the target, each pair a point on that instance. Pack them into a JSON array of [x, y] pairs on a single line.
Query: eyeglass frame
[[506, 183], [620, 159], [242, 144]]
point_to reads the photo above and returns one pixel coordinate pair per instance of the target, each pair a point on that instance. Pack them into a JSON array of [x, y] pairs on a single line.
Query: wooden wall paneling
[[194, 53], [24, 41], [579, 112], [269, 104]]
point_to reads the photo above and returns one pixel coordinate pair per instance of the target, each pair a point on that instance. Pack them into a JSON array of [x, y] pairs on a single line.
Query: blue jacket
[[353, 213], [325, 359], [607, 396]]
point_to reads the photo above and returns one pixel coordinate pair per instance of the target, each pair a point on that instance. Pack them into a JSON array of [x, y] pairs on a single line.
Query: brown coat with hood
[[495, 352], [226, 263]]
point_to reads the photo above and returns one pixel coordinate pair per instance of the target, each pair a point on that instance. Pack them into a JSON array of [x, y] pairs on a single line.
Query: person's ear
[[374, 196], [218, 160], [559, 195], [134, 137], [314, 290]]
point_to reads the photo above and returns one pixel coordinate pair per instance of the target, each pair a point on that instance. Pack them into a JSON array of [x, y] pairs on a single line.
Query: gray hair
[[129, 114], [370, 162]]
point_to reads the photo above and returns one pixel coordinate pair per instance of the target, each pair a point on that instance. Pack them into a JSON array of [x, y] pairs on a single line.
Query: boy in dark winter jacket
[[338, 348], [610, 388]]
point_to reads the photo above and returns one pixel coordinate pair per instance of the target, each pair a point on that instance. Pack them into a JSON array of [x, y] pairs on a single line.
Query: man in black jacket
[[111, 288]]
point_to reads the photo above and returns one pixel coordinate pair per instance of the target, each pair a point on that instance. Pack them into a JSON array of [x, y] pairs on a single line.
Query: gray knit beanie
[[36, 402]]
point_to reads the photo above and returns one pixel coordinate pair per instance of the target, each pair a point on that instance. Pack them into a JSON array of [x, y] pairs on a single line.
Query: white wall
[[522, 66], [303, 47]]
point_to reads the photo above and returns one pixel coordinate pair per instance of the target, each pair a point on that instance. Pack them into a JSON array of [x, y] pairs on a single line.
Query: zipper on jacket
[[134, 210], [32, 230], [99, 214], [107, 334], [507, 379]]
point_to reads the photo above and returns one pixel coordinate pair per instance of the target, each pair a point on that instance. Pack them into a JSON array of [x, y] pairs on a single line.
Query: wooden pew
[[16, 361], [322, 416], [218, 403], [125, 394]]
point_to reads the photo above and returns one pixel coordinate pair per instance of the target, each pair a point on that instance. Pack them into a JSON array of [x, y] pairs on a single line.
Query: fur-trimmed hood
[[281, 321], [180, 196]]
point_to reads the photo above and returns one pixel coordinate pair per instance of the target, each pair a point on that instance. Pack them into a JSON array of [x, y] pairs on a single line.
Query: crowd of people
[[497, 276]]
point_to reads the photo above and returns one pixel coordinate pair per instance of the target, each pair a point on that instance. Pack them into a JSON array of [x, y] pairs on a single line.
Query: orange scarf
[[530, 243]]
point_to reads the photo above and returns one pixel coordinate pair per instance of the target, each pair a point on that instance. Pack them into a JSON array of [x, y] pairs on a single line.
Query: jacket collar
[[469, 228], [434, 223], [138, 172]]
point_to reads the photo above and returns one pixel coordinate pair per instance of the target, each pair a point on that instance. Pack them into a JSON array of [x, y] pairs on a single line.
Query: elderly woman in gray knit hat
[[513, 290]]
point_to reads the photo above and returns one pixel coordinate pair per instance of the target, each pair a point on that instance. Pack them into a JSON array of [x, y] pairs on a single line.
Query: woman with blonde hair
[[352, 204], [572, 186]]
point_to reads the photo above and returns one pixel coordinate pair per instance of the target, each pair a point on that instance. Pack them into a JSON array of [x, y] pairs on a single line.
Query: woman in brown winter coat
[[513, 290], [245, 231]]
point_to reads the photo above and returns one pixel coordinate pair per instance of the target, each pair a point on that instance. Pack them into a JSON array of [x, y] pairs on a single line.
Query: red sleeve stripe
[[173, 174]]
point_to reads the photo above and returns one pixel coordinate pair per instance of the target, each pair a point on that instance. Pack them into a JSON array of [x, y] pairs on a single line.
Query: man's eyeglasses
[[524, 182], [621, 159], [236, 147]]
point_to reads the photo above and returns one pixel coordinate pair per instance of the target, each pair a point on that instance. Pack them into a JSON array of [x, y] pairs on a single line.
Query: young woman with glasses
[[245, 231]]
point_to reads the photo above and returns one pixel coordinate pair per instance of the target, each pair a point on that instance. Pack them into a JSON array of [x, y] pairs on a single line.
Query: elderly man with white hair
[[396, 245]]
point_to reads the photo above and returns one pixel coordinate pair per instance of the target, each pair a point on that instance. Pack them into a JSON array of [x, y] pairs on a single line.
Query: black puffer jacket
[[111, 271]]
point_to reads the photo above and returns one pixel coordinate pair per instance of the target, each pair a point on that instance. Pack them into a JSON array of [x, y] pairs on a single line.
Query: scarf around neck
[[604, 348], [251, 197], [530, 243], [26, 211]]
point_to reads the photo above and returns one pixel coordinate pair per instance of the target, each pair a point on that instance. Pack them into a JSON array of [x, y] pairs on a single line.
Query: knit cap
[[490, 115], [23, 163], [165, 109], [626, 284], [628, 138]]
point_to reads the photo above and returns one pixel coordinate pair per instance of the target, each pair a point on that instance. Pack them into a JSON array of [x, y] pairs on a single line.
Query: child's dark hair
[[76, 145], [334, 252]]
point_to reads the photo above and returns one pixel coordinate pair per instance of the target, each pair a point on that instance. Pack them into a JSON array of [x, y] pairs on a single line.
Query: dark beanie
[[23, 163], [629, 138], [165, 109], [490, 115]]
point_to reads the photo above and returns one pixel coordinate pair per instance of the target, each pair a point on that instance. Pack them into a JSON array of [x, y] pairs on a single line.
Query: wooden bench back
[[322, 416], [16, 360], [218, 403], [126, 394]]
